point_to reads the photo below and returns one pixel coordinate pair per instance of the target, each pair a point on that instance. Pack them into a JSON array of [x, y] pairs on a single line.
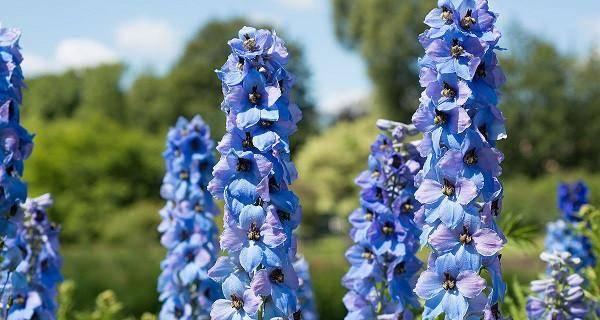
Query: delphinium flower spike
[[31, 289], [383, 263], [564, 234], [17, 145], [188, 229], [458, 185], [253, 177], [306, 298], [560, 295]]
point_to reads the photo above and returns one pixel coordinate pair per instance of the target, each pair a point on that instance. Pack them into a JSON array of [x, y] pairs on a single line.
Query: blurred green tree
[[92, 168], [384, 32]]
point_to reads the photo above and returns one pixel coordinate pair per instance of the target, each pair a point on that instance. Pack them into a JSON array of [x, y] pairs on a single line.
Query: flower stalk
[[253, 178], [188, 230], [459, 186]]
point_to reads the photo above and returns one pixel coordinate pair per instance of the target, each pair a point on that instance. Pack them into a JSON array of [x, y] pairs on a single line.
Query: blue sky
[[149, 34]]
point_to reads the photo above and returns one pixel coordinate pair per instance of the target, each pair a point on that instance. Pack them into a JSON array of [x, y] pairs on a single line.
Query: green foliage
[[384, 32], [329, 163], [92, 168], [515, 301]]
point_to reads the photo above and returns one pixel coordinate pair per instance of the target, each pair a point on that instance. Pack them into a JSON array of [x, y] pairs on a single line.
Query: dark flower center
[[470, 157], [178, 312], [273, 185], [400, 268], [298, 315], [465, 237], [388, 228], [448, 188], [449, 282], [284, 216], [496, 207], [198, 207], [190, 256], [368, 255], [468, 20], [369, 215], [481, 70], [447, 15], [396, 161], [236, 302], [254, 96], [247, 142], [378, 193], [259, 202], [240, 64], [457, 49], [19, 299], [254, 232], [266, 123], [183, 175], [39, 216], [249, 43], [440, 117], [243, 165], [448, 91], [277, 276], [407, 207], [495, 311]]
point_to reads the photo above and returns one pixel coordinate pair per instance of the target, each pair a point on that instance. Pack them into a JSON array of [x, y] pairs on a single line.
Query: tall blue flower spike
[[253, 177], [560, 295], [30, 290], [16, 144], [563, 235], [383, 266], [306, 297], [188, 229], [459, 186]]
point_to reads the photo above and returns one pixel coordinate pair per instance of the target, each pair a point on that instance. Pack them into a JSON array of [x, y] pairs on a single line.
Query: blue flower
[[459, 186], [188, 230], [571, 197], [560, 295], [253, 178], [382, 262], [33, 284]]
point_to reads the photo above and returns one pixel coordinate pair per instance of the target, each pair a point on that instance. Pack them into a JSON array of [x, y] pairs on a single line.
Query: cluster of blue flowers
[[16, 144], [188, 229], [563, 235], [253, 177], [383, 263], [560, 295], [306, 298], [30, 290], [458, 185]]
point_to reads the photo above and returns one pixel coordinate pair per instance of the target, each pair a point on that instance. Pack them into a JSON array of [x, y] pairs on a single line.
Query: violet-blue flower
[[564, 234], [33, 285], [560, 295], [188, 230], [459, 184], [16, 145], [253, 178], [382, 260]]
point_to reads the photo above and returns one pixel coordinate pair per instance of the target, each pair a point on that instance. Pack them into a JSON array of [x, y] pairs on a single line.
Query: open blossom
[[257, 276], [16, 145], [382, 261], [560, 295], [188, 230], [459, 186], [33, 285], [564, 234]]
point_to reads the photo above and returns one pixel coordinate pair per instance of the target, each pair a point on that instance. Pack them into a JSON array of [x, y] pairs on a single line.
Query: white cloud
[[148, 39], [71, 53], [353, 99], [300, 4]]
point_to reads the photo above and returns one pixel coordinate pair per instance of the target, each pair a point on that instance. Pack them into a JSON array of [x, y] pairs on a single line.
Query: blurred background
[[107, 78]]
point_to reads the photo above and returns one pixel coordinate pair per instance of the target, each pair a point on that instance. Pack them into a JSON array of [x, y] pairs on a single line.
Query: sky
[[148, 35]]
